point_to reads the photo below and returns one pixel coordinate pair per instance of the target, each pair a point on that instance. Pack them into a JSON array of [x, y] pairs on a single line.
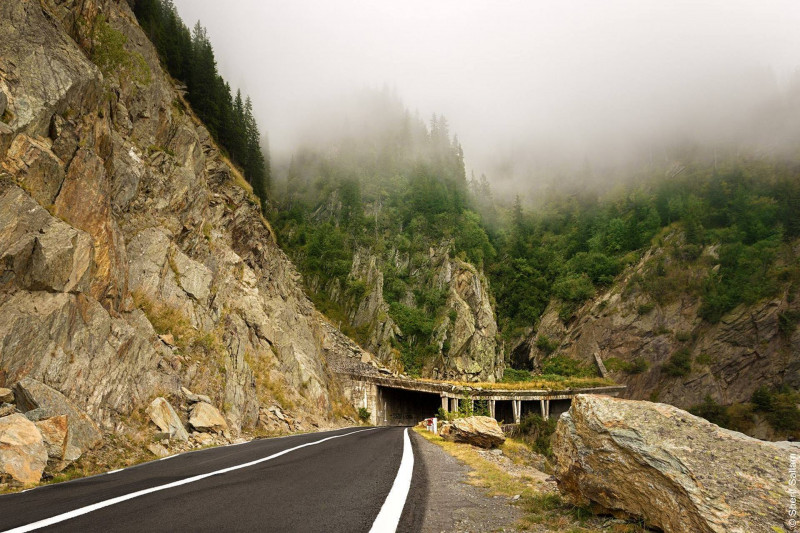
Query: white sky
[[587, 73]]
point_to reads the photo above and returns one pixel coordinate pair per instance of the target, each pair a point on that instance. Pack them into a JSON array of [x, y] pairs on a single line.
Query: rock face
[[23, 455], [207, 418], [55, 435], [120, 221], [164, 416], [729, 360], [676, 471], [482, 431], [38, 401], [469, 331]]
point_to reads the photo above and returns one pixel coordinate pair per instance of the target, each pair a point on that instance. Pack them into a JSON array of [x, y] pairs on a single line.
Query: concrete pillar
[[472, 406], [491, 409], [445, 404], [455, 404], [517, 405], [547, 409], [541, 405]]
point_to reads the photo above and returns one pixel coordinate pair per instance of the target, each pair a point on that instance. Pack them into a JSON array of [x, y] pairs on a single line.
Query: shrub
[[512, 375], [574, 288], [787, 321], [546, 345], [636, 366], [537, 431], [679, 363], [712, 411], [109, 54], [562, 365], [645, 308], [363, 414]]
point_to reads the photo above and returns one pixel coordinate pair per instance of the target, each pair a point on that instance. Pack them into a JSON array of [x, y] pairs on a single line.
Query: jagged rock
[[23, 455], [676, 471], [482, 431], [41, 251], [202, 439], [38, 401], [35, 167], [164, 416], [55, 435], [7, 409], [207, 418], [168, 339], [3, 103], [474, 354], [194, 398], [158, 450], [6, 395]]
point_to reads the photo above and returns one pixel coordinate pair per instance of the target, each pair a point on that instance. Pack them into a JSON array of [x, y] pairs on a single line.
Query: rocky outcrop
[[55, 435], [38, 402], [675, 471], [164, 416], [23, 455], [481, 431], [207, 419], [467, 337], [636, 333], [120, 221]]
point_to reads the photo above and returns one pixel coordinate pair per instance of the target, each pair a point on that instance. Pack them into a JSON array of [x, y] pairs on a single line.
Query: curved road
[[331, 481]]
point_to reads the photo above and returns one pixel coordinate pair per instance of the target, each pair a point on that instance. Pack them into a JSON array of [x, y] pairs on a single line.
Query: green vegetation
[[777, 406], [110, 55], [536, 432], [189, 57], [679, 363], [636, 366], [395, 188], [560, 365], [363, 414], [512, 375]]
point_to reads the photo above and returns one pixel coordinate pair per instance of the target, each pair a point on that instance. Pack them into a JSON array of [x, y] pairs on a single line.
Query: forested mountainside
[[134, 257], [682, 275]]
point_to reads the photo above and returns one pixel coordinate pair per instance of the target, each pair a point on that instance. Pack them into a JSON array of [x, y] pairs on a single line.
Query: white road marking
[[389, 517], [119, 499]]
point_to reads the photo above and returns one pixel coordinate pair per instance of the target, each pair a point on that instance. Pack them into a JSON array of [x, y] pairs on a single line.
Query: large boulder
[[38, 402], [23, 455], [674, 470], [164, 416], [482, 431], [205, 417], [55, 434], [6, 395]]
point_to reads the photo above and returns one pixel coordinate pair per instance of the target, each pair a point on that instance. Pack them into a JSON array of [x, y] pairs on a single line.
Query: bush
[[537, 431], [712, 411], [363, 414], [779, 407], [574, 288], [645, 308], [512, 375], [636, 366], [562, 365], [546, 345], [679, 364]]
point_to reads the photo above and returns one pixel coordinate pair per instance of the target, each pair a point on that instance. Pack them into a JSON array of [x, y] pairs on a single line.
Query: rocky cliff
[[464, 333], [656, 343], [133, 258]]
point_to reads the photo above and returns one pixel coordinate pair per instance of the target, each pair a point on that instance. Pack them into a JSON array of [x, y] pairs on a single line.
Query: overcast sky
[[509, 75]]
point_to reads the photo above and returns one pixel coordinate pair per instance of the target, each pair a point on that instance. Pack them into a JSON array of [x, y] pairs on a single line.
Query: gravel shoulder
[[453, 505]]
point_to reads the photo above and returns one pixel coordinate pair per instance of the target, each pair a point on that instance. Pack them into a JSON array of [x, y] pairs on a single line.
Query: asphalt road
[[338, 484]]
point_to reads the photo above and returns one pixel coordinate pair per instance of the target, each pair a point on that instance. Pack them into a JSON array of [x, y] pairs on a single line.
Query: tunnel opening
[[401, 407], [504, 411]]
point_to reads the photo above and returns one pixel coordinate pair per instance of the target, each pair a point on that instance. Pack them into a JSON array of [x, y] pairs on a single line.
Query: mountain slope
[[121, 220]]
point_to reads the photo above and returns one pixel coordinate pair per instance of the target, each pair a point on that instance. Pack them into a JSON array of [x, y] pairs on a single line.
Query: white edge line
[[119, 499], [389, 516]]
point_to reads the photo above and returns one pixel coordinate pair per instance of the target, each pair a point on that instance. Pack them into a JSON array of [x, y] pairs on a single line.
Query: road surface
[[347, 480]]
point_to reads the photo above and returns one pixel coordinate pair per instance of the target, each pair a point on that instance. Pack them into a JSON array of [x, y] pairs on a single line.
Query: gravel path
[[451, 505]]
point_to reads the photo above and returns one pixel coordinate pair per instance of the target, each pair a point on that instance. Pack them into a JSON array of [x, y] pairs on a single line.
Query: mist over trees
[[189, 57]]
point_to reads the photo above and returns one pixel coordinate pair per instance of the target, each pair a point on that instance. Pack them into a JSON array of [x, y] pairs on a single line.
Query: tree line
[[189, 57]]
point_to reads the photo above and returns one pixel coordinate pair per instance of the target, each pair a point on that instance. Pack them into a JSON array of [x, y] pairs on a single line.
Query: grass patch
[[542, 508], [543, 382]]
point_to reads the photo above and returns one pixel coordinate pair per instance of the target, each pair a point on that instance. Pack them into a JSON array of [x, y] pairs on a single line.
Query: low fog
[[532, 89]]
